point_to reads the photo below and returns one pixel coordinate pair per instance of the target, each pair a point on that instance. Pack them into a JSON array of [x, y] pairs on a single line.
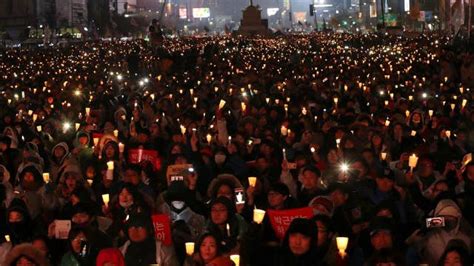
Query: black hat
[[176, 191], [280, 188], [303, 226], [387, 173], [380, 224]]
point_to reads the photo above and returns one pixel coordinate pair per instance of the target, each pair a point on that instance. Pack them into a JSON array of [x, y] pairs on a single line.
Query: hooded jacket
[[437, 239], [6, 183]]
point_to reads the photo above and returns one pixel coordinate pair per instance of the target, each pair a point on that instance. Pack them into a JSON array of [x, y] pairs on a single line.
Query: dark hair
[[387, 255], [312, 169], [456, 245], [203, 237]]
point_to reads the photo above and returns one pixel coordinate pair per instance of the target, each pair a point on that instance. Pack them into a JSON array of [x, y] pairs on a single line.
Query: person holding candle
[[225, 224], [208, 252], [60, 158]]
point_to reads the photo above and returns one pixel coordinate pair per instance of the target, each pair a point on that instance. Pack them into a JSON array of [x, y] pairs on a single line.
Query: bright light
[[66, 126], [344, 167], [77, 92], [119, 77], [424, 95]]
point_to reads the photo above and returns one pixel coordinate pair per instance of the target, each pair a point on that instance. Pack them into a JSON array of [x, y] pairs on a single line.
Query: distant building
[[70, 13]]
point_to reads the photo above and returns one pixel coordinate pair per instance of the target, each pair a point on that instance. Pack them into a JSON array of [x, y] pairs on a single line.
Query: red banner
[[281, 220], [138, 155], [162, 225]]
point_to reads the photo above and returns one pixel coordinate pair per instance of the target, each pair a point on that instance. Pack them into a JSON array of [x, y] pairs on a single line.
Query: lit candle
[[35, 116], [383, 155], [244, 106], [88, 111], [77, 125], [90, 181], [96, 141], [464, 102], [413, 133], [46, 177], [284, 154], [407, 113], [7, 238], [336, 100], [189, 248], [121, 147], [387, 122], [105, 199], [183, 129], [258, 215], [235, 259], [221, 104], [430, 113], [110, 165], [227, 226], [338, 141], [342, 245], [283, 131], [209, 138], [412, 162], [453, 106], [39, 128], [116, 132], [252, 181], [448, 133]]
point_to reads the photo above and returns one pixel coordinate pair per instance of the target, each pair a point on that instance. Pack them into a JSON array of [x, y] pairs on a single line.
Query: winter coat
[[164, 254]]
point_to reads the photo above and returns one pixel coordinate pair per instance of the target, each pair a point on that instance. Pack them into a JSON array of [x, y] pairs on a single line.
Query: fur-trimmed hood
[[25, 250]]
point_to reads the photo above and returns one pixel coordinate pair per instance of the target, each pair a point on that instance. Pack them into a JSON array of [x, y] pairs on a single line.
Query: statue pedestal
[[252, 22]]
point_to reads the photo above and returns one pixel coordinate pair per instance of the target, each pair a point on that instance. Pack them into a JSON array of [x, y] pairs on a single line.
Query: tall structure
[[70, 13]]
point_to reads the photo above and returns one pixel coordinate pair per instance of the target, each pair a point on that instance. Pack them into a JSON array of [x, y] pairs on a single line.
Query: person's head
[[339, 193], [455, 254], [301, 237], [17, 212], [225, 189], [222, 210], [386, 257], [126, 197], [439, 187], [82, 215], [322, 205], [139, 228], [110, 150], [359, 168], [71, 180], [381, 234], [77, 237], [41, 244], [425, 167], [30, 178], [208, 247], [385, 180], [132, 174], [325, 229], [110, 257], [277, 195], [310, 177]]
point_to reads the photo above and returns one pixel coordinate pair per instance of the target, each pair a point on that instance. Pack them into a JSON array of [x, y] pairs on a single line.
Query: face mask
[[126, 204], [219, 158], [177, 204]]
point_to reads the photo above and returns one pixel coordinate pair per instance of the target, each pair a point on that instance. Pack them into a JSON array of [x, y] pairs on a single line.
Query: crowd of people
[[373, 132]]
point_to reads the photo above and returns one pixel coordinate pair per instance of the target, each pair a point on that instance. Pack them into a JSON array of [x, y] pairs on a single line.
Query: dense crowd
[[373, 132]]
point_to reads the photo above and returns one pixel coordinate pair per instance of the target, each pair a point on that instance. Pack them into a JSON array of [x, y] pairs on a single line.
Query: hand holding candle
[[252, 181], [258, 215]]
